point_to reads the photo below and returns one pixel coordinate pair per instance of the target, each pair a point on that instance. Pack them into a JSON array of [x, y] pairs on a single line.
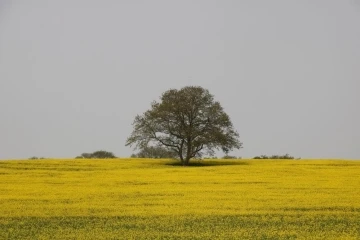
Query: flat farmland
[[157, 199]]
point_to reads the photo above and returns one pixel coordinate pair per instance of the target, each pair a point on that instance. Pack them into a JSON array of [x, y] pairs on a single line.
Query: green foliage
[[98, 154], [87, 155], [35, 158], [154, 152], [286, 156], [186, 121], [230, 157]]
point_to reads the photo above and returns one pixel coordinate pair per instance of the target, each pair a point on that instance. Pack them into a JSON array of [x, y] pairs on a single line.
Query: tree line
[[161, 152]]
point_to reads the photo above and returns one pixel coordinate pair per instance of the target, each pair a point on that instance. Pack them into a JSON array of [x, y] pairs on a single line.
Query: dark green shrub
[[98, 154], [286, 156]]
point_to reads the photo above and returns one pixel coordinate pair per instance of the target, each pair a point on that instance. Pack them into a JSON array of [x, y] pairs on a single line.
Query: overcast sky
[[74, 73]]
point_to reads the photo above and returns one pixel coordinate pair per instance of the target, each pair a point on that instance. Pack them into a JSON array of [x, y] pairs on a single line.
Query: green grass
[[258, 226]]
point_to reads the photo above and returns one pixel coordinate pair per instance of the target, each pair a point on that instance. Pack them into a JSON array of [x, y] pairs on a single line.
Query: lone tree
[[187, 122]]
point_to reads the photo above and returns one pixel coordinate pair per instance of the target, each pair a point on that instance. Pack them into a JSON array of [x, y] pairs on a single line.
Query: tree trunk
[[187, 160], [182, 160], [188, 152]]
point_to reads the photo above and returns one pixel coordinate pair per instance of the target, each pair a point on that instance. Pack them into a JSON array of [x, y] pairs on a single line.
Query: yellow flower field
[[157, 199]]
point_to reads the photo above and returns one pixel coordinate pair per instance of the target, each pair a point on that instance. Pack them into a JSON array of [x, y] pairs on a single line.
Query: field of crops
[[156, 199]]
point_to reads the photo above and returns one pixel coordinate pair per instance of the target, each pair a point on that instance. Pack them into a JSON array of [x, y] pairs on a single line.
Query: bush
[[98, 154], [286, 156], [230, 157]]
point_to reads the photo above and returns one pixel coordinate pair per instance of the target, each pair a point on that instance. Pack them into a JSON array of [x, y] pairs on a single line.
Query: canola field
[[157, 199]]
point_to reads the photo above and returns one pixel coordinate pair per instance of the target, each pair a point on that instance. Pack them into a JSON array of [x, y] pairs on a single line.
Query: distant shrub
[[102, 154], [230, 157], [98, 154], [286, 156]]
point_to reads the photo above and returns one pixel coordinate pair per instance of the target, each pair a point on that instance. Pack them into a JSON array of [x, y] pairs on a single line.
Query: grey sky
[[74, 73]]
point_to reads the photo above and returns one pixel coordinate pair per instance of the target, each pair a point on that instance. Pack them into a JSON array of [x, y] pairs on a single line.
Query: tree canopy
[[154, 152], [187, 122]]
